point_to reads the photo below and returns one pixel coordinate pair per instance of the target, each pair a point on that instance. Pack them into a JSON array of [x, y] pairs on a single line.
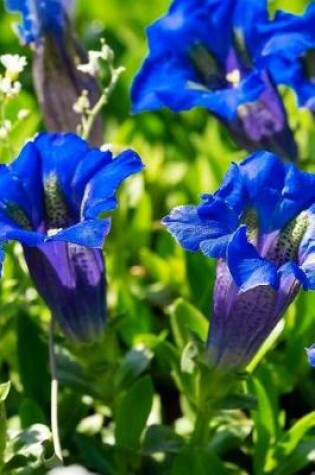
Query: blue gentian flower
[[289, 53], [207, 54], [261, 227], [39, 17], [58, 83], [50, 200]]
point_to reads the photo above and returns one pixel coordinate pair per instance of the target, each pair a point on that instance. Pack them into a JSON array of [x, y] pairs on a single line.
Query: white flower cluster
[[9, 84], [10, 87], [95, 58], [96, 61], [82, 105]]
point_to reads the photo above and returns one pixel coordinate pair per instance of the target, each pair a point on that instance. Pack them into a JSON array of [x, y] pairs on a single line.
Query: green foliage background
[[136, 385]]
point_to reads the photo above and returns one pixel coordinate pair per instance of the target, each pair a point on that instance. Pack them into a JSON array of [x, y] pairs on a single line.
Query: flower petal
[[27, 168], [206, 227], [99, 194], [247, 267], [247, 21], [71, 280], [60, 155], [89, 233]]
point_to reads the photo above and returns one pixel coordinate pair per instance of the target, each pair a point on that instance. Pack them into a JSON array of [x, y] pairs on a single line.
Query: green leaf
[[199, 461], [4, 390], [135, 362], [264, 418], [186, 319], [240, 401], [33, 359], [200, 287], [94, 453], [132, 413], [3, 432], [161, 439], [303, 455], [157, 267], [266, 346], [289, 441], [293, 436], [31, 413]]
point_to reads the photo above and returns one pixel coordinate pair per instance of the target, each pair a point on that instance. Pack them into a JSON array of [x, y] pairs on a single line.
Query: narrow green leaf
[[199, 461], [264, 426], [301, 457], [161, 439], [135, 362], [133, 412], [289, 441], [294, 435], [3, 432], [33, 359], [186, 319], [94, 453], [4, 390]]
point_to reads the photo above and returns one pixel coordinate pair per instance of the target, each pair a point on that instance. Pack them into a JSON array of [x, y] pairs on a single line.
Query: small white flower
[[14, 65], [82, 105], [9, 88], [93, 67]]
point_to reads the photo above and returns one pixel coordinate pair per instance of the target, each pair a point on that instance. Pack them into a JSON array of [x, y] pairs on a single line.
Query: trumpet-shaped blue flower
[[260, 224], [207, 54], [58, 83], [289, 53], [50, 200]]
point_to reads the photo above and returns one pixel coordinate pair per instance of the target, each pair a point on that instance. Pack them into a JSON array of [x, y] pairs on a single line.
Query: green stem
[[213, 387], [201, 432], [54, 394], [103, 100], [92, 116]]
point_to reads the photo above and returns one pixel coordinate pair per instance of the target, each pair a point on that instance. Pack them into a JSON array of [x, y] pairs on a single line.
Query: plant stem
[[54, 393], [200, 435], [92, 116]]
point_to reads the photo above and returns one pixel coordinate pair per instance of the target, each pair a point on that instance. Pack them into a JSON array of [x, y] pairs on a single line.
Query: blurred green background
[[132, 387]]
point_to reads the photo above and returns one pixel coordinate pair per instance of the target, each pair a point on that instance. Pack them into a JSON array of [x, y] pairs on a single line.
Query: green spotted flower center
[[55, 206], [17, 214], [250, 218], [206, 66], [287, 245]]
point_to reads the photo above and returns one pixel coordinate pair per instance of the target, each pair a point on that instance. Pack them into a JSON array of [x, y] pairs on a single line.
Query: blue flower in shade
[[289, 53], [261, 227], [50, 200], [58, 83], [207, 54], [38, 17]]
